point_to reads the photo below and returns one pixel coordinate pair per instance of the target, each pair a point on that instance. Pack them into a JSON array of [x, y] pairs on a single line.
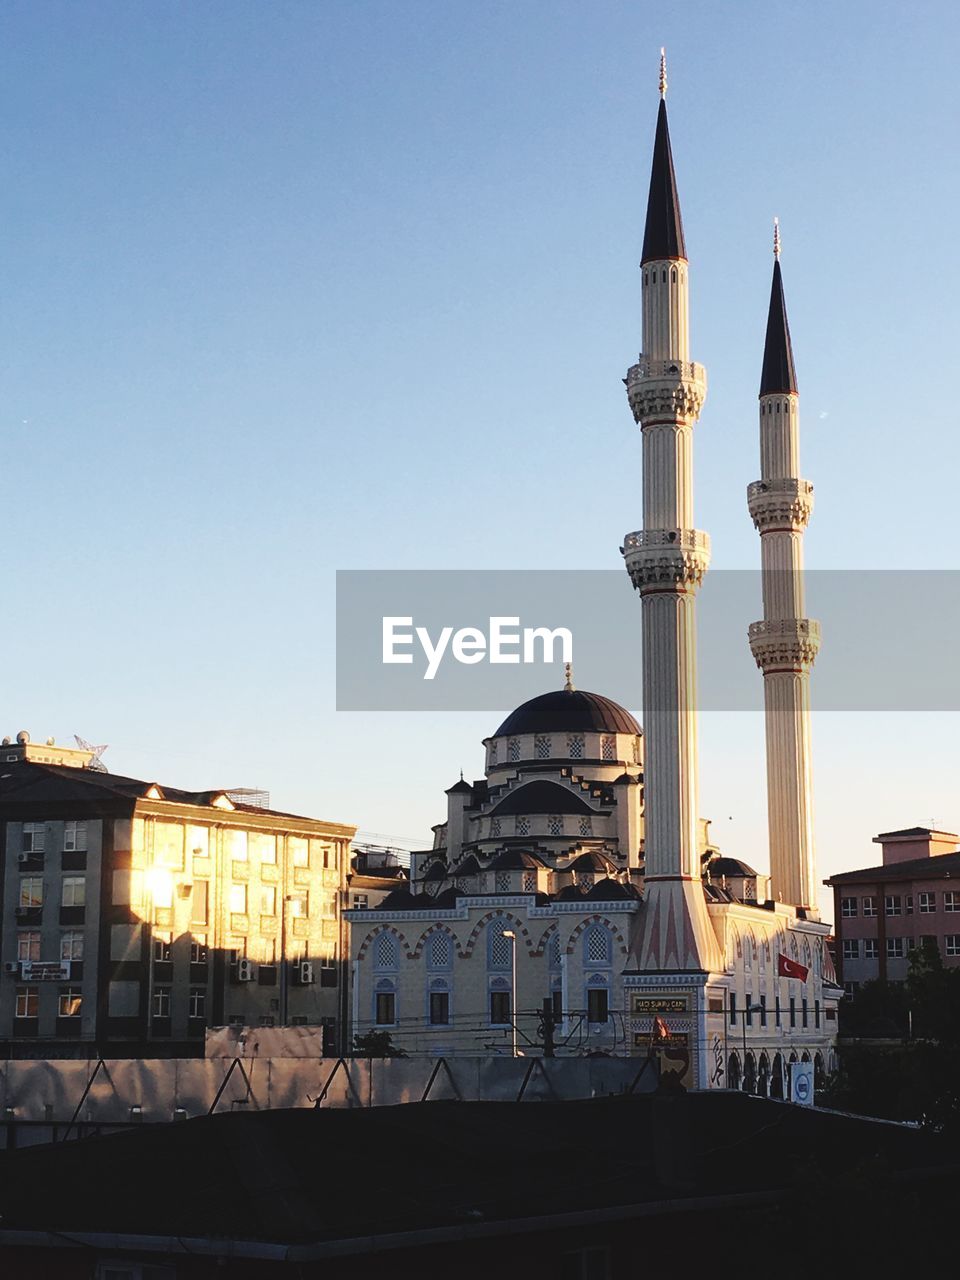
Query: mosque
[[572, 902]]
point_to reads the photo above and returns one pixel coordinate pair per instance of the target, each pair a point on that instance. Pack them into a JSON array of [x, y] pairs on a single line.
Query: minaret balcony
[[666, 388], [781, 504], [786, 644], [665, 558]]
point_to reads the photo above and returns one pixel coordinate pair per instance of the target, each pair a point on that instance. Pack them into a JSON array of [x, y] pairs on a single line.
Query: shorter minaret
[[785, 643]]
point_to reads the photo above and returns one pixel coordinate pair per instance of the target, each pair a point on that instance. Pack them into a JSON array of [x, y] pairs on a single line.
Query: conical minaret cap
[[778, 375], [663, 234]]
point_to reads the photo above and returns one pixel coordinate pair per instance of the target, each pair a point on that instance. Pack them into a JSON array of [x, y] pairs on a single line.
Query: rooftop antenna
[[663, 72], [568, 672], [776, 238], [96, 763]]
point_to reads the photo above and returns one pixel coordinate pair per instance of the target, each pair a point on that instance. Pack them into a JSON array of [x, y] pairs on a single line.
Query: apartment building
[[133, 916], [881, 913]]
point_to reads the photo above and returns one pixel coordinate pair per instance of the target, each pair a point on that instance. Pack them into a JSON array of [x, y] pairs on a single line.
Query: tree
[[376, 1044]]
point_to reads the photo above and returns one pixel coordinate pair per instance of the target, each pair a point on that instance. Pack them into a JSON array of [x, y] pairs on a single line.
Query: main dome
[[569, 709]]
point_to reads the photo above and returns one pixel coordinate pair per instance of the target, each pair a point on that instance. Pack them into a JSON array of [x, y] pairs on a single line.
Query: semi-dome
[[564, 710]]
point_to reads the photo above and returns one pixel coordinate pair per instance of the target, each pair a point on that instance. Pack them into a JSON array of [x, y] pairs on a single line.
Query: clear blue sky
[[293, 287]]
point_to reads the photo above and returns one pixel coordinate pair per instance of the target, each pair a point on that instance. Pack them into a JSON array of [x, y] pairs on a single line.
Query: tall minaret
[[666, 561], [785, 643]]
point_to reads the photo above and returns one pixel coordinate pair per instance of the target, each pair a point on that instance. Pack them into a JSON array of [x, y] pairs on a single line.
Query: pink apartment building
[[880, 913]]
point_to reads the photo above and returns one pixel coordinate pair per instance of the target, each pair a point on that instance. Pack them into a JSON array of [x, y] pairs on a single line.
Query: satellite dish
[[23, 737]]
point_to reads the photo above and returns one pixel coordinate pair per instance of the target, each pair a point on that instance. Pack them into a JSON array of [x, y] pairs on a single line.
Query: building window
[[777, 1016], [597, 945], [161, 1002], [586, 826], [34, 836], [575, 746], [763, 1011], [733, 1008], [869, 906], [198, 950], [235, 845], [851, 948], [28, 947], [608, 747], [951, 945], [951, 900], [870, 949], [894, 948], [513, 749], [748, 1008], [909, 905], [439, 1008], [265, 846], [500, 1008], [541, 746], [74, 891], [385, 951], [71, 944], [926, 903], [499, 948], [268, 900], [385, 1010], [850, 990], [360, 901], [848, 907], [502, 882], [28, 1002], [598, 1004], [493, 752], [198, 1002], [793, 1011], [494, 826], [71, 1001], [816, 1013], [300, 905], [238, 899], [439, 950], [523, 826], [74, 837], [199, 899], [891, 905], [555, 825], [31, 891], [299, 852], [554, 950], [529, 882]]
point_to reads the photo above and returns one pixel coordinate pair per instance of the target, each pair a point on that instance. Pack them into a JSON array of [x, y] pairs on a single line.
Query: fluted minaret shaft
[[666, 561], [785, 643]]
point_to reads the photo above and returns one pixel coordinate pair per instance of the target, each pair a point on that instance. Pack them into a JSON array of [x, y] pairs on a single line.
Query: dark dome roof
[[568, 709]]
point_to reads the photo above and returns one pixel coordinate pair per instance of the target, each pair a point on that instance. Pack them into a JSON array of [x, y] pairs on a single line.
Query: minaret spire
[[663, 72], [666, 561], [785, 643]]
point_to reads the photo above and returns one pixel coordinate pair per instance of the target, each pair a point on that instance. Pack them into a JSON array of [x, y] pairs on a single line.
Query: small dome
[[567, 710]]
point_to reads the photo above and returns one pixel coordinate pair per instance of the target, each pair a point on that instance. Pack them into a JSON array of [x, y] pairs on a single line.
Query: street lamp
[[509, 933]]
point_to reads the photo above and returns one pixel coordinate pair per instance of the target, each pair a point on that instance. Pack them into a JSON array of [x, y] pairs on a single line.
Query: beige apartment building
[[134, 916]]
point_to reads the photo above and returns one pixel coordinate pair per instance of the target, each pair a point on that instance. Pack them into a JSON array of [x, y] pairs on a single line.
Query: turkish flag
[[787, 968]]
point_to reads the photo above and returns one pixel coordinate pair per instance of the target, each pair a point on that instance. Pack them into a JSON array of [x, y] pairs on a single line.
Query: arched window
[[733, 1071], [776, 1079], [541, 746], [673, 276], [554, 950], [493, 752], [385, 1003], [597, 945], [385, 951], [749, 1074], [763, 1076], [513, 749], [439, 950], [575, 746], [819, 1075], [499, 948], [438, 1003]]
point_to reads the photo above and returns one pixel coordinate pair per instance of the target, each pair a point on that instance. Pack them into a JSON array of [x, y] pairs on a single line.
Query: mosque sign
[[661, 1004]]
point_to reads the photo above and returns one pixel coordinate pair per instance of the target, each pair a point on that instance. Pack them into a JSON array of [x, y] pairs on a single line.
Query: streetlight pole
[[509, 933]]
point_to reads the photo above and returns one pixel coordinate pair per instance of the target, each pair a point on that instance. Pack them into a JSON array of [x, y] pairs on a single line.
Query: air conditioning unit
[[11, 966], [304, 973], [244, 970], [24, 857]]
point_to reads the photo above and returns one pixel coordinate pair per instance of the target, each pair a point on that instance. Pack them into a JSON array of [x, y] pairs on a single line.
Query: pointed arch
[[585, 924], [384, 928], [438, 927], [500, 914]]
